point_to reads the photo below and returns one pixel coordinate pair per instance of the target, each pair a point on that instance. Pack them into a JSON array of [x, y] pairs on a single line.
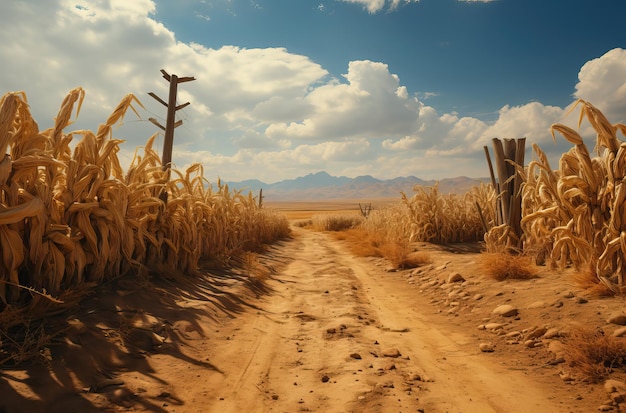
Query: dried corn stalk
[[70, 216], [449, 218], [576, 214]]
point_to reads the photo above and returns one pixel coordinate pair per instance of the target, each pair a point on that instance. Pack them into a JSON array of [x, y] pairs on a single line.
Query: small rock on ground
[[506, 310]]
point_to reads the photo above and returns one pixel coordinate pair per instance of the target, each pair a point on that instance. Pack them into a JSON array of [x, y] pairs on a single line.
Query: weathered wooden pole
[[509, 157], [170, 122]]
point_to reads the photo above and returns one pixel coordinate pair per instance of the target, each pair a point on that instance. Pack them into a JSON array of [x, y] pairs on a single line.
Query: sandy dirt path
[[325, 332], [339, 335]]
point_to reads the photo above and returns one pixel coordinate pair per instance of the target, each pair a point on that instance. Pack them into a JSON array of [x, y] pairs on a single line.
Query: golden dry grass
[[593, 354], [335, 222], [449, 218], [364, 243], [503, 266], [68, 217]]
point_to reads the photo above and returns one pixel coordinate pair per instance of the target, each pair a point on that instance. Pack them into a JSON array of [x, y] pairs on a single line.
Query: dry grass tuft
[[593, 354], [403, 258], [360, 242], [331, 222], [502, 266], [364, 243], [588, 280]]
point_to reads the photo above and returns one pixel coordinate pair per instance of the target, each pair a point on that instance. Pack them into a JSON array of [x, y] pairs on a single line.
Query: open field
[[305, 210]]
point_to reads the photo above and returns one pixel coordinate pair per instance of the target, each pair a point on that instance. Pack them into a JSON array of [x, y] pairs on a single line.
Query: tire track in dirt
[[340, 335]]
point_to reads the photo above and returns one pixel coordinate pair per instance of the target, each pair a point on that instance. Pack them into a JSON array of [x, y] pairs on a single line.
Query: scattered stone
[[612, 385], [552, 333], [568, 294], [486, 347], [513, 334], [558, 304], [494, 326], [620, 332], [455, 277], [391, 352], [557, 348], [617, 318], [414, 377], [506, 310], [355, 356], [274, 397], [536, 333], [581, 300], [325, 378], [529, 343], [605, 408], [389, 366], [478, 297]]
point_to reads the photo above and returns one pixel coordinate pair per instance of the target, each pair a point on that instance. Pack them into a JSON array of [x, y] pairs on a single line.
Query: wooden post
[[508, 158], [170, 123]]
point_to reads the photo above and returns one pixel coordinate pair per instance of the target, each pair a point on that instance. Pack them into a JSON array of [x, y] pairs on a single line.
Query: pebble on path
[[506, 310]]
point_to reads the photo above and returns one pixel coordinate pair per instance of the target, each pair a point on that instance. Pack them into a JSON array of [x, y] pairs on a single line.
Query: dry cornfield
[[70, 216], [575, 215], [449, 218]]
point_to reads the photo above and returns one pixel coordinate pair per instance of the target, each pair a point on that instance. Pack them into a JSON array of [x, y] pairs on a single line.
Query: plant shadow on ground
[[117, 330]]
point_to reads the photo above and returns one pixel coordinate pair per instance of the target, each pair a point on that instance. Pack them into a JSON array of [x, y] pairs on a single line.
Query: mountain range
[[323, 186]]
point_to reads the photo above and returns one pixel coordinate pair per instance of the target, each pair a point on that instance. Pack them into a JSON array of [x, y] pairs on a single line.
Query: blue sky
[[475, 57], [289, 87]]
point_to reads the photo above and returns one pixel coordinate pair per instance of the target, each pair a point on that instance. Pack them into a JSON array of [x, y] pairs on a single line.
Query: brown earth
[[309, 327]]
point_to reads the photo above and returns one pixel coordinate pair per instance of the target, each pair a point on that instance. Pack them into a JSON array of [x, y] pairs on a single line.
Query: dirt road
[[339, 334], [326, 332]]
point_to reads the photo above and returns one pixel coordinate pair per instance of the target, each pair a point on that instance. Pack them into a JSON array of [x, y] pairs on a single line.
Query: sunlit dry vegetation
[[335, 222], [575, 215], [427, 216], [74, 216], [594, 354], [449, 218], [504, 266]]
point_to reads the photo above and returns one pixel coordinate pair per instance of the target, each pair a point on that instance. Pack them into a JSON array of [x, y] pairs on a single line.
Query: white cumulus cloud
[[602, 81], [374, 6], [266, 113]]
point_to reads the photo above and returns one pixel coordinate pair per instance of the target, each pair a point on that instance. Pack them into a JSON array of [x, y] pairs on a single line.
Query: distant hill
[[323, 186]]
